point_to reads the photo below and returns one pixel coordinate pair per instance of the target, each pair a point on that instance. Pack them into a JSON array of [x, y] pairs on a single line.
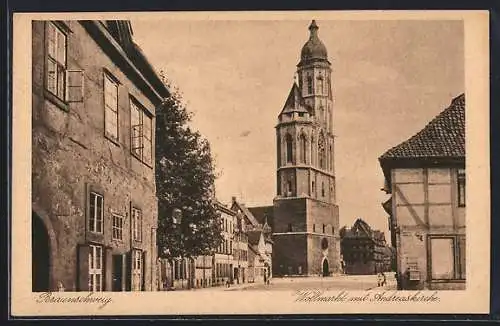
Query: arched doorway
[[326, 271], [40, 255]]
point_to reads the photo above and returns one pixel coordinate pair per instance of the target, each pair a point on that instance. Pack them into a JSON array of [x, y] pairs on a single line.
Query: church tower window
[[289, 148], [323, 189], [302, 143], [319, 85], [321, 151], [309, 85]]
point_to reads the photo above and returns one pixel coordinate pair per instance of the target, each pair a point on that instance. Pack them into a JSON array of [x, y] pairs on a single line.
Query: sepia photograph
[[296, 158]]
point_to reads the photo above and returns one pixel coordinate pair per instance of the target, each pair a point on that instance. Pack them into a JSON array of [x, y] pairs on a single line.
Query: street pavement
[[336, 282]]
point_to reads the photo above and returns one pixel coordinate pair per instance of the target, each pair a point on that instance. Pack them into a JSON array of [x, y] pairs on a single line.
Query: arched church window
[[302, 142], [278, 149], [321, 151], [319, 85], [323, 189], [289, 148], [330, 158], [309, 85], [313, 159]]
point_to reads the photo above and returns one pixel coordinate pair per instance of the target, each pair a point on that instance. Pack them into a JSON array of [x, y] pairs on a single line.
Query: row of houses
[[244, 256]]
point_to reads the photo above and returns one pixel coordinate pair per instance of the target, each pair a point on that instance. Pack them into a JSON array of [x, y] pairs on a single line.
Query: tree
[[185, 177]]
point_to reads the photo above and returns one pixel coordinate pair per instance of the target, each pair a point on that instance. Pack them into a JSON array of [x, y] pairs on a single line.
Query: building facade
[[363, 249], [94, 206], [425, 176], [259, 261], [306, 217], [223, 259], [259, 240]]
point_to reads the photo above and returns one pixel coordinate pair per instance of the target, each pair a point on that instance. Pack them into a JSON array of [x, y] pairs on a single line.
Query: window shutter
[[74, 85], [128, 269], [83, 267], [143, 271], [108, 269]]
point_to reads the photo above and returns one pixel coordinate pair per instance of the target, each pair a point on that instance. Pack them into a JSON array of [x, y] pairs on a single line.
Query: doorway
[[326, 271], [40, 255], [117, 273]]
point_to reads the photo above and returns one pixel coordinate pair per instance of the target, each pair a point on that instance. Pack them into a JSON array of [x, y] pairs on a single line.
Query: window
[[95, 268], [313, 152], [321, 151], [96, 212], [314, 227], [110, 107], [56, 61], [461, 187], [324, 228], [289, 148], [137, 270], [141, 133], [117, 227], [309, 85], [302, 145], [313, 189], [447, 257], [319, 86], [136, 224], [289, 188], [290, 229], [323, 189]]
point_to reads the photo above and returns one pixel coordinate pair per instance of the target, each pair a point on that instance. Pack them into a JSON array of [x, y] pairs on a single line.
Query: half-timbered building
[[425, 176]]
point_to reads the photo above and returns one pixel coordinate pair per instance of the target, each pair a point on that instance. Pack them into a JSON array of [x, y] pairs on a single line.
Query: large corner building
[[306, 218]]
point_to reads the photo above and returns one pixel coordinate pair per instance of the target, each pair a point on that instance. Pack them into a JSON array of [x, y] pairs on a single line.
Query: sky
[[389, 79]]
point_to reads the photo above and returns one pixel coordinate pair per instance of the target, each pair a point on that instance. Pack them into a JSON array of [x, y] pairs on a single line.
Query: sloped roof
[[294, 101], [263, 213], [121, 31], [442, 137], [246, 212], [254, 237]]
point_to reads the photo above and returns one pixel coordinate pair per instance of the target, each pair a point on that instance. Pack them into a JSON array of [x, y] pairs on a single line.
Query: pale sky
[[389, 79]]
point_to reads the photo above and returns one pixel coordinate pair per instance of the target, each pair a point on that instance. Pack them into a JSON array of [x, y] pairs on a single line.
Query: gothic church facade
[[306, 216]]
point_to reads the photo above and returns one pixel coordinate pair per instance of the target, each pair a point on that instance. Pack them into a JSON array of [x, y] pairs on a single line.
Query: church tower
[[306, 218]]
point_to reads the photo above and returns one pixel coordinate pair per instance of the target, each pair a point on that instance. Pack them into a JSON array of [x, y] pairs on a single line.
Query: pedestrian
[[380, 278], [384, 280]]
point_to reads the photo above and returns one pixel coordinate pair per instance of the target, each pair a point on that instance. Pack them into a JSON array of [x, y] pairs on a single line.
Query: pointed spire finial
[[313, 27]]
